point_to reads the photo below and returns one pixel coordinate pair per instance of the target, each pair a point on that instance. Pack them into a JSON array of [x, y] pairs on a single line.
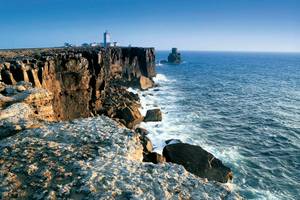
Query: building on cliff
[[107, 40]]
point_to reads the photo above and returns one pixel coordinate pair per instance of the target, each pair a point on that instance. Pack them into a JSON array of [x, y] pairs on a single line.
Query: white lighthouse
[[106, 39]]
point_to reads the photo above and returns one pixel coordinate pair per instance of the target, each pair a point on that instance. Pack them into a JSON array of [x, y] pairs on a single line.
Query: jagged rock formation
[[174, 57], [88, 158], [82, 80], [23, 107], [197, 161], [92, 158]]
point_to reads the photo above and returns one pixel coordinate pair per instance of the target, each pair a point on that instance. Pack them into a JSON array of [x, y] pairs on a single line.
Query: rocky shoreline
[[69, 130]]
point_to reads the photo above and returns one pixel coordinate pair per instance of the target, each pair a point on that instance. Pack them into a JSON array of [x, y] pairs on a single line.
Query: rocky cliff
[[80, 79], [92, 158], [96, 157]]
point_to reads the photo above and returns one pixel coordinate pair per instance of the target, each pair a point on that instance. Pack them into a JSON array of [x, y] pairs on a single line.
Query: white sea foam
[[130, 89], [172, 127], [160, 78], [243, 120]]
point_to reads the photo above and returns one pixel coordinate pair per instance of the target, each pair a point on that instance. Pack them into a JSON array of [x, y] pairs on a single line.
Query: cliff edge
[[56, 143]]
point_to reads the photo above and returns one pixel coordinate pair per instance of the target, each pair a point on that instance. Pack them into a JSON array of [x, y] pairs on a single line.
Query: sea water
[[242, 107]]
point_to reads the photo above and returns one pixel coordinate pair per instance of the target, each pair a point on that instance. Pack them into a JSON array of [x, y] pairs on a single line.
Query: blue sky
[[234, 25]]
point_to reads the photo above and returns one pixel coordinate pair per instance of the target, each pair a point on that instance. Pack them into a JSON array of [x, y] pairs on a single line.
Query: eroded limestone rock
[[80, 79], [92, 158], [24, 107]]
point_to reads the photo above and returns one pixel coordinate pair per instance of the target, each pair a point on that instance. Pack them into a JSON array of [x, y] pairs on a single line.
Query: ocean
[[242, 107]]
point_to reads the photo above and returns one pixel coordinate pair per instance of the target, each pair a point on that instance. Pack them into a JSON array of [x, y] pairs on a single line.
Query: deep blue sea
[[242, 107]]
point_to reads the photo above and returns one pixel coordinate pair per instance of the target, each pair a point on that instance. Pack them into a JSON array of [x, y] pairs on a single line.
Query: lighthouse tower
[[106, 39]]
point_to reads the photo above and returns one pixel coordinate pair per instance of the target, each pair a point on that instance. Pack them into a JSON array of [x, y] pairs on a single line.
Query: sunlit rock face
[[52, 149], [92, 158], [81, 80]]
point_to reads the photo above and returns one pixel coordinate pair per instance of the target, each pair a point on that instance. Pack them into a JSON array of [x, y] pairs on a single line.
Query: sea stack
[[174, 57]]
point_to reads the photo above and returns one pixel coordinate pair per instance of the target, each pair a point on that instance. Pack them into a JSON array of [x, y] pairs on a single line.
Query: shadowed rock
[[153, 115], [197, 161]]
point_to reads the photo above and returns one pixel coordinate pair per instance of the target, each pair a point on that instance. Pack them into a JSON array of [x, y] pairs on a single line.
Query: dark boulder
[[146, 142], [153, 115], [130, 116], [174, 57], [148, 155], [154, 158], [197, 161], [141, 131]]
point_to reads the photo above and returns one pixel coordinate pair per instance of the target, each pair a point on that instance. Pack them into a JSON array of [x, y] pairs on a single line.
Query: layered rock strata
[[81, 80]]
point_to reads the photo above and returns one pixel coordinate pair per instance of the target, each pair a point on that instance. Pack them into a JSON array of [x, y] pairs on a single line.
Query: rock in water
[[153, 115], [174, 57], [146, 83], [197, 161]]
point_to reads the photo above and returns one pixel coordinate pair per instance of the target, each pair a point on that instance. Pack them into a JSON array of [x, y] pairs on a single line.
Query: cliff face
[[80, 79], [93, 158]]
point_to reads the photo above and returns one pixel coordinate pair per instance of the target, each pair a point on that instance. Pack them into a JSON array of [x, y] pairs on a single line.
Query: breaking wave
[[243, 108]]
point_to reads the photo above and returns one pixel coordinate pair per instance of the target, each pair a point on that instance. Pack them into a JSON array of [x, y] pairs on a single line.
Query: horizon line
[[182, 50], [231, 51]]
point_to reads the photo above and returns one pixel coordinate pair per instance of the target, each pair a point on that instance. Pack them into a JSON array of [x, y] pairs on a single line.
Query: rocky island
[[69, 130], [173, 58]]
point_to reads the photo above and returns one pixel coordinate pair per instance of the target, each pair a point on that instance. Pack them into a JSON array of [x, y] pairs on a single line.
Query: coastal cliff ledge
[[56, 143], [82, 81], [92, 158]]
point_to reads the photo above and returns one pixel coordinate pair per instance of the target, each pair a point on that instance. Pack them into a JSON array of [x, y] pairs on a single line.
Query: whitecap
[[160, 78]]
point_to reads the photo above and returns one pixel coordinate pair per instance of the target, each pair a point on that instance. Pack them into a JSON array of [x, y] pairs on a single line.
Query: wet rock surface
[[92, 158], [197, 161], [153, 115]]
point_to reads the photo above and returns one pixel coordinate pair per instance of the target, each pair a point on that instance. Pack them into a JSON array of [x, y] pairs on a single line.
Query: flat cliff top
[[92, 158], [31, 52]]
